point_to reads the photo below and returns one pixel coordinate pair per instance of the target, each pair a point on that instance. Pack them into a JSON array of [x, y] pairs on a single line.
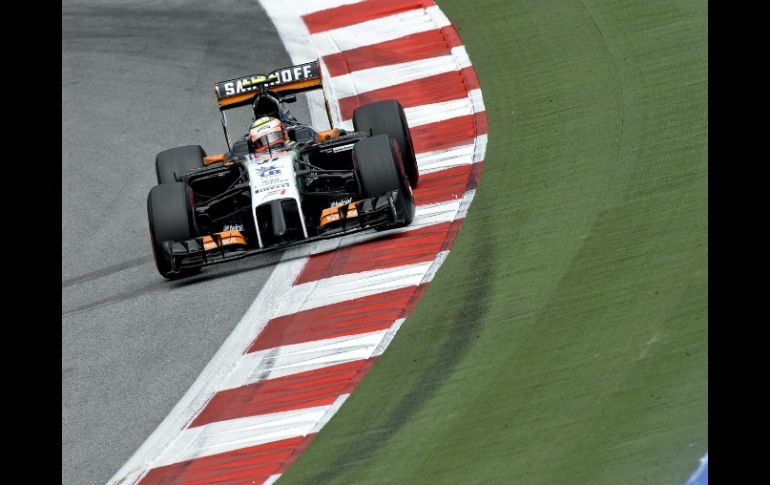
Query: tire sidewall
[[380, 169], [388, 117], [171, 164], [169, 217]]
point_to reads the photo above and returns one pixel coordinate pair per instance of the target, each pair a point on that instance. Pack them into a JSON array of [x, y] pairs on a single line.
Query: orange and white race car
[[283, 183]]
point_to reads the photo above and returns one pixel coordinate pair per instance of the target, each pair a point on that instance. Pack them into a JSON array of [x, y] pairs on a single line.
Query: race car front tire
[[388, 118], [169, 217], [380, 170], [171, 164]]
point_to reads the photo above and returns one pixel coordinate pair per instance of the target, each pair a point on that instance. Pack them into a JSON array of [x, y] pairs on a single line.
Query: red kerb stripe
[[352, 317], [444, 134], [413, 47], [410, 247], [318, 387], [443, 185], [427, 90], [254, 464], [356, 13]]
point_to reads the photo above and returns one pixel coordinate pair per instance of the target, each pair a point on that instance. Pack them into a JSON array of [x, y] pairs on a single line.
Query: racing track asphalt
[[137, 78]]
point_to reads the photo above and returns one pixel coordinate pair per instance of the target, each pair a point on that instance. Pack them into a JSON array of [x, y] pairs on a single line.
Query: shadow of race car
[[315, 184]]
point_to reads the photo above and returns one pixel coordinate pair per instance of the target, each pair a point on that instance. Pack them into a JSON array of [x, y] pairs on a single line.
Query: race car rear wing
[[242, 91], [289, 80]]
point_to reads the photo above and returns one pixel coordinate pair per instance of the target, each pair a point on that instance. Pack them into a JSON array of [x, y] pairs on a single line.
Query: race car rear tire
[[169, 217], [388, 118], [175, 162], [380, 170]]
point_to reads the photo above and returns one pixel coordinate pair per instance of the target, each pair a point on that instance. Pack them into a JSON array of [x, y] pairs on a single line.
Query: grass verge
[[565, 338]]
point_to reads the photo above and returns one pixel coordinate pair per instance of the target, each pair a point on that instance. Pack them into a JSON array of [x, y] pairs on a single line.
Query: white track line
[[294, 36], [388, 337], [466, 203], [359, 35], [208, 382]]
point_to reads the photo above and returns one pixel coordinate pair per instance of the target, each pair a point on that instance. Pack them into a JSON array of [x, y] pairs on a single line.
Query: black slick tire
[[175, 162], [169, 217], [380, 170], [388, 118]]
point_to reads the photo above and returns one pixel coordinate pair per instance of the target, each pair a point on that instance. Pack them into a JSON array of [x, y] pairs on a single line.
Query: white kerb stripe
[[235, 434], [337, 289], [461, 57], [466, 203], [477, 99], [272, 479], [481, 148], [435, 112], [428, 162], [321, 423], [303, 357], [440, 258], [366, 80], [295, 38], [336, 405], [430, 214], [388, 337], [378, 30]]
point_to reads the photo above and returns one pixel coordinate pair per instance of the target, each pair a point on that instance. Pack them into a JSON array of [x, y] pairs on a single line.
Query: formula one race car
[[283, 183]]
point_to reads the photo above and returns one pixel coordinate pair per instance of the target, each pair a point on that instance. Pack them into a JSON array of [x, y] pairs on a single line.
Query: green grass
[[564, 341]]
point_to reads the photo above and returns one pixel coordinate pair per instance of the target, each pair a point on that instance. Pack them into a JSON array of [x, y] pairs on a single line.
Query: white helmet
[[266, 132]]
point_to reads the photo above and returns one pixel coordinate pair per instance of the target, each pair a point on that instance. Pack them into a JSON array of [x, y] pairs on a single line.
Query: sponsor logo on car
[[282, 76], [270, 171], [272, 188], [341, 202]]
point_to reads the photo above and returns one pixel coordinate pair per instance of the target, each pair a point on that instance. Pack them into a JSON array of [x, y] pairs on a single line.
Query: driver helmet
[[266, 132]]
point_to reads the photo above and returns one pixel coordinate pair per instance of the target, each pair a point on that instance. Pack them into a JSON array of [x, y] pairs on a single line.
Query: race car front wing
[[369, 213]]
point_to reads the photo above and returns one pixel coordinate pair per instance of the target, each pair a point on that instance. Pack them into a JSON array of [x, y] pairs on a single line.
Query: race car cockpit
[[268, 96], [269, 104]]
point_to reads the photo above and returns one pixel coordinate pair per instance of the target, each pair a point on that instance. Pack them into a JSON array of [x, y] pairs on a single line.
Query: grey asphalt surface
[[137, 78]]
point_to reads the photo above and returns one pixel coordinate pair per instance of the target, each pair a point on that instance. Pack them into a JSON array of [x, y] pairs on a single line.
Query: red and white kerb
[[331, 308]]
